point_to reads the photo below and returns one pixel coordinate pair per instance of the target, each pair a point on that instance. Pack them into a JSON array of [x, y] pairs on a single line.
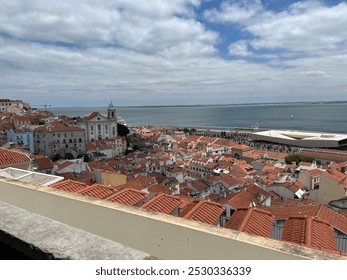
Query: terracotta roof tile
[[129, 197], [159, 189], [65, 164], [252, 220], [8, 157], [92, 115], [311, 232], [43, 163], [319, 211], [98, 191], [205, 212], [69, 186], [162, 203]]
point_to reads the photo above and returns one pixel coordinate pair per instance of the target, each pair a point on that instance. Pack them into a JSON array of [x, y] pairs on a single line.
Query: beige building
[[324, 186], [59, 140], [332, 186]]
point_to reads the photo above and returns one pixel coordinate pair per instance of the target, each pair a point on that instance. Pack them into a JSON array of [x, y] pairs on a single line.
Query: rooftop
[[9, 157]]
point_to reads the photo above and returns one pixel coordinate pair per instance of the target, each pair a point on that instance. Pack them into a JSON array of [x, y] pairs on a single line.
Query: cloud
[[144, 26], [239, 48], [85, 53], [307, 27], [234, 11]]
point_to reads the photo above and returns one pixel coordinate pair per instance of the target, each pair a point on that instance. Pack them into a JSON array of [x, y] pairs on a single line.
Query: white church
[[98, 126]]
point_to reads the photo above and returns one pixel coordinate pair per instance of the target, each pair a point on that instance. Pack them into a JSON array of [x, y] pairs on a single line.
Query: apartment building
[[59, 140]]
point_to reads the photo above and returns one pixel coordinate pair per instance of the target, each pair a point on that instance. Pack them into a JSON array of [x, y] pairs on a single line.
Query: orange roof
[[225, 142], [65, 164], [245, 197], [140, 182], [9, 157], [252, 220], [200, 185], [43, 163], [69, 186], [176, 170], [98, 191], [242, 147], [207, 139], [205, 212], [319, 211], [192, 138], [314, 172], [309, 231], [58, 128], [92, 116], [162, 203], [128, 196], [335, 175], [159, 189], [230, 181]]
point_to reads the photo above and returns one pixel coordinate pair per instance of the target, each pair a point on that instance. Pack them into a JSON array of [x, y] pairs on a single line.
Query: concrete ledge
[[43, 238]]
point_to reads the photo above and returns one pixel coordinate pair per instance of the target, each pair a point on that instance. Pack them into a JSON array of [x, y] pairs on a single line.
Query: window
[[277, 229], [341, 241]]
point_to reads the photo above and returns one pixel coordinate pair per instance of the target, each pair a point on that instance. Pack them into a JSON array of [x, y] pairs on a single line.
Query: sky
[[71, 53]]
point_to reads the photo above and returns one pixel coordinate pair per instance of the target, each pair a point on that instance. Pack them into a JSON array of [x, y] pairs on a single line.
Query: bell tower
[[111, 112]]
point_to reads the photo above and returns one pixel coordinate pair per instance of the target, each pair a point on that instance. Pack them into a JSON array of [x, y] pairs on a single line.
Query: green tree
[[297, 159]]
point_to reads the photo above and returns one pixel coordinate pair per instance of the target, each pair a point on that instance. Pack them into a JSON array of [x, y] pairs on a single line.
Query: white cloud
[[239, 48], [234, 11], [157, 52], [305, 27], [148, 26]]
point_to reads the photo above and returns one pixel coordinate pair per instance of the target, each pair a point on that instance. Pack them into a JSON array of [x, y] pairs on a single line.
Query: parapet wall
[[160, 235]]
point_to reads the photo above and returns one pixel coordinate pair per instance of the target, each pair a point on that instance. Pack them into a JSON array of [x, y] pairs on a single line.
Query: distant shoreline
[[212, 105]]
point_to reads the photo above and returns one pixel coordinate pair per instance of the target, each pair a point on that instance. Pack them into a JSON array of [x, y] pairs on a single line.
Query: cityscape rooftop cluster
[[239, 185]]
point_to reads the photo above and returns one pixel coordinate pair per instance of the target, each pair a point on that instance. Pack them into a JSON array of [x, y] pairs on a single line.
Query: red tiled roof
[[205, 212], [314, 172], [69, 186], [319, 211], [330, 155], [8, 157], [65, 164], [200, 185], [128, 196], [242, 147], [230, 181], [309, 231], [162, 203], [92, 116], [98, 191], [192, 138], [159, 189], [140, 182], [252, 220], [225, 142], [43, 163]]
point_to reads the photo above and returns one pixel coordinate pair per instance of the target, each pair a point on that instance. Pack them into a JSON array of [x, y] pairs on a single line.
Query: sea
[[320, 117]]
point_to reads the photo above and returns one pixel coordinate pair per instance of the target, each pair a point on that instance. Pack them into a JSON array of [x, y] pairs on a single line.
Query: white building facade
[[98, 126]]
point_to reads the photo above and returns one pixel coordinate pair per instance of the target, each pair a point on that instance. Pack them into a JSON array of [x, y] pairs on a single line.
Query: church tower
[[111, 112]]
